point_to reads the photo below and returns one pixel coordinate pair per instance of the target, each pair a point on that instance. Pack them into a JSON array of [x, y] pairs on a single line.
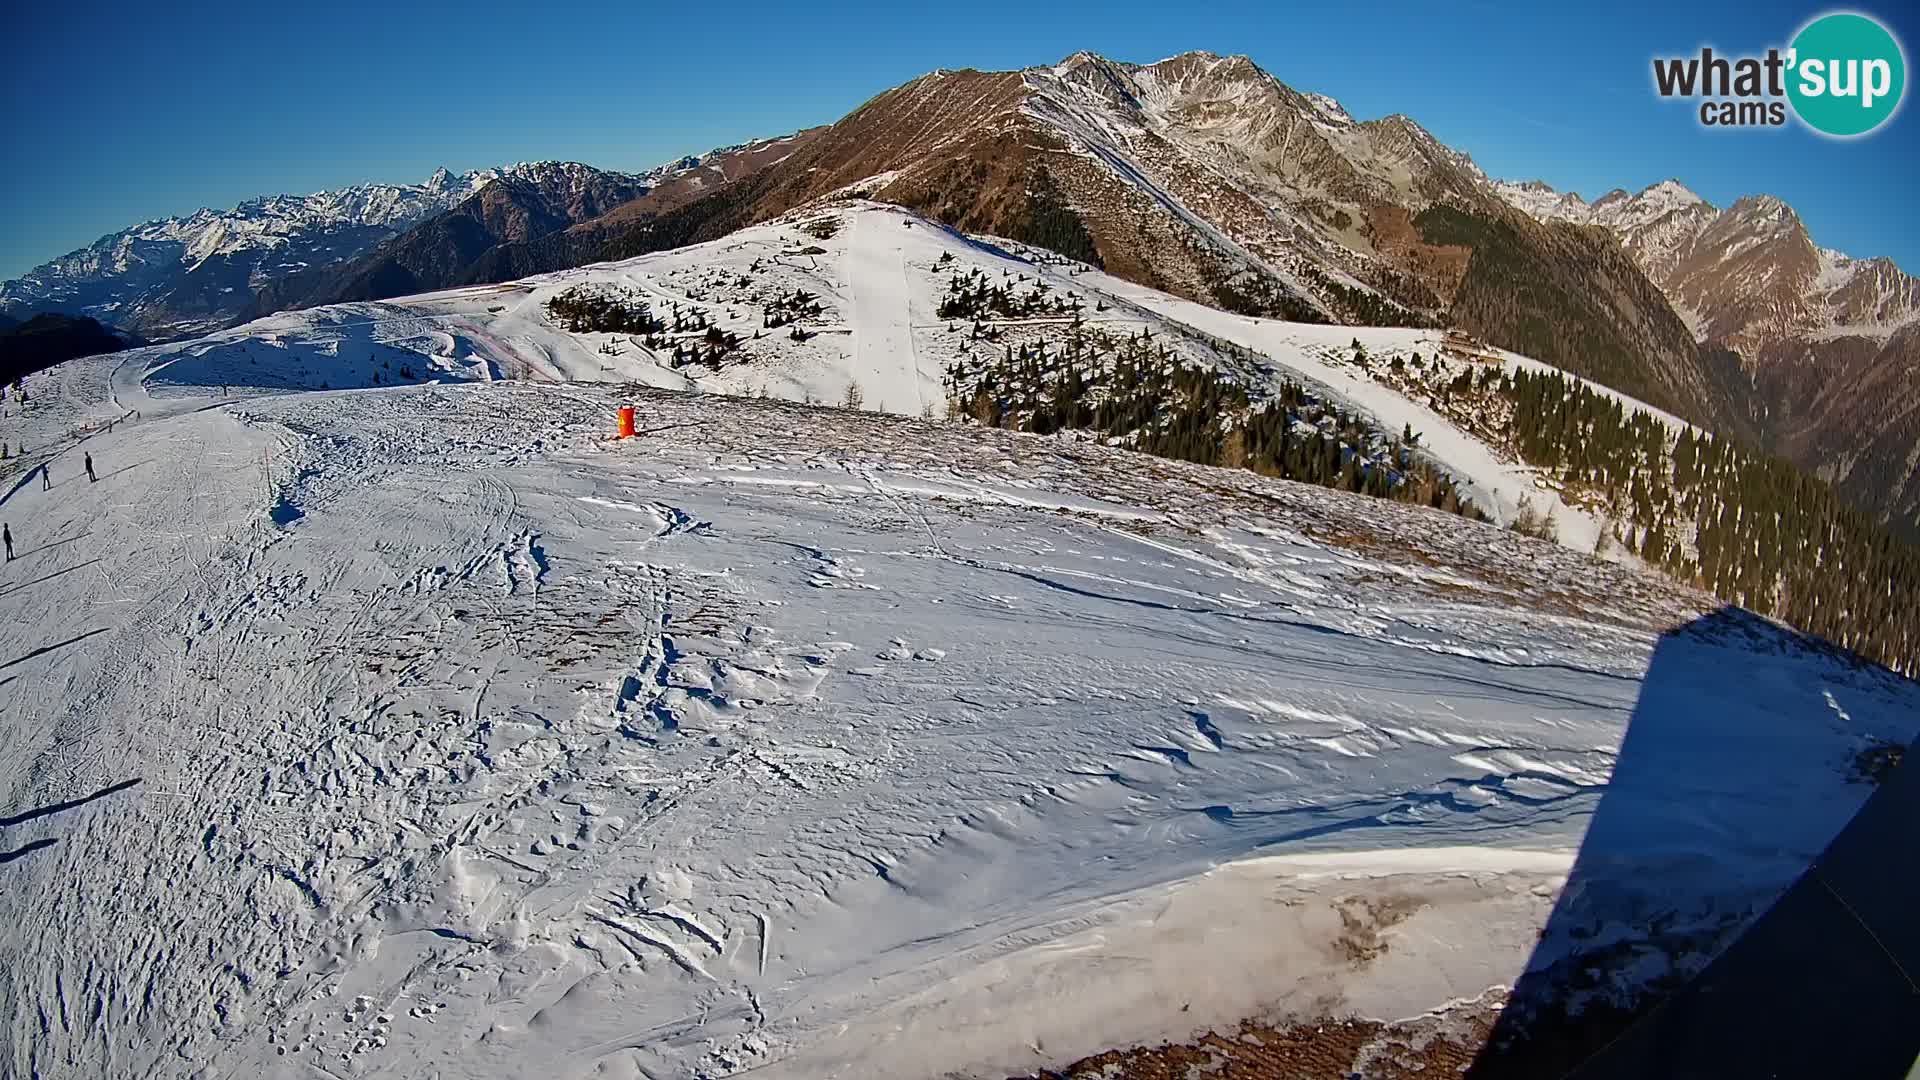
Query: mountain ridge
[[1689, 221], [1208, 177], [144, 277], [186, 274], [513, 227]]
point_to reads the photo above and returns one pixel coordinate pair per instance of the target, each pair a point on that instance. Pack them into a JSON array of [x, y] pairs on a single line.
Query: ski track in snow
[[469, 742], [885, 364]]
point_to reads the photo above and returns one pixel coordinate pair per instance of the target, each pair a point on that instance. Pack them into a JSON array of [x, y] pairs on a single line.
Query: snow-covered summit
[[1672, 192], [1330, 110], [1766, 213], [1618, 209], [1539, 200], [281, 215]]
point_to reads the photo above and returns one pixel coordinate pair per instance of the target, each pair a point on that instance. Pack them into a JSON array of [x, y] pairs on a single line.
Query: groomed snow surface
[[428, 731]]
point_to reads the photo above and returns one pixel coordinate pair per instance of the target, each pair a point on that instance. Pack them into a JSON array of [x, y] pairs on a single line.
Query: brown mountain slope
[[437, 252], [528, 201], [1569, 295], [1209, 178], [1848, 409], [585, 240], [967, 148], [546, 216]]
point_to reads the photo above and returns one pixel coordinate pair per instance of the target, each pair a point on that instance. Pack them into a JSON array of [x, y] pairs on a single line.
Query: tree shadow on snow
[[50, 810], [106, 476], [23, 852], [9, 590], [1730, 796], [45, 649], [61, 807], [52, 544]]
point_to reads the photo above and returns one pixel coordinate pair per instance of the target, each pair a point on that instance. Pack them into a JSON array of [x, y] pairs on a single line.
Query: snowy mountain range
[[543, 219], [1748, 275], [523, 203], [184, 275], [190, 274], [1201, 175]]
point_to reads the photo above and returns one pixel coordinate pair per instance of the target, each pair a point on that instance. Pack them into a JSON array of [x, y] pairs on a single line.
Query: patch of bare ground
[[1457, 1041], [1439, 1044], [1362, 918], [1439, 267], [1875, 763]]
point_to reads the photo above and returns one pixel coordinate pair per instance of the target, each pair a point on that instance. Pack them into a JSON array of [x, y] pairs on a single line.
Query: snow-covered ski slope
[[427, 731], [879, 278]]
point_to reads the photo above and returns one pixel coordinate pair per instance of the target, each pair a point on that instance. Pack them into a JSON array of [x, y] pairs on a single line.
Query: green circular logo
[[1847, 76]]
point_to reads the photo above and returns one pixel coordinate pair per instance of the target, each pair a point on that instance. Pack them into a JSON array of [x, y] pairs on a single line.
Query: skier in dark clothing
[[90, 477], [8, 534], [46, 478]]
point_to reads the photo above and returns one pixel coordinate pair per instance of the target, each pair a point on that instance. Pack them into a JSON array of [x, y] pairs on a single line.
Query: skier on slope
[[46, 477], [91, 479], [7, 533]]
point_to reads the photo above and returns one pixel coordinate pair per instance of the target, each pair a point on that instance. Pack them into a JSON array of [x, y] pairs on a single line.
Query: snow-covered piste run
[[428, 730]]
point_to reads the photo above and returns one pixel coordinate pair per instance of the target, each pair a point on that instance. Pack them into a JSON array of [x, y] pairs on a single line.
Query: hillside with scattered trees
[[46, 340], [1145, 392], [1750, 528]]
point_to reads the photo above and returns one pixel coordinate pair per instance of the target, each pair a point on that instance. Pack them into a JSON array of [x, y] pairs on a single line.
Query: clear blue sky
[[116, 113]]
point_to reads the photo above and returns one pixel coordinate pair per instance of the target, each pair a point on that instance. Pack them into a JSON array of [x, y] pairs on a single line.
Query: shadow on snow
[[1736, 770], [50, 810]]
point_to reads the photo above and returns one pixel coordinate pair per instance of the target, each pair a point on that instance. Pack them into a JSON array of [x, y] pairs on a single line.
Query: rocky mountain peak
[[1671, 190], [1101, 76], [1765, 211], [1329, 109]]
